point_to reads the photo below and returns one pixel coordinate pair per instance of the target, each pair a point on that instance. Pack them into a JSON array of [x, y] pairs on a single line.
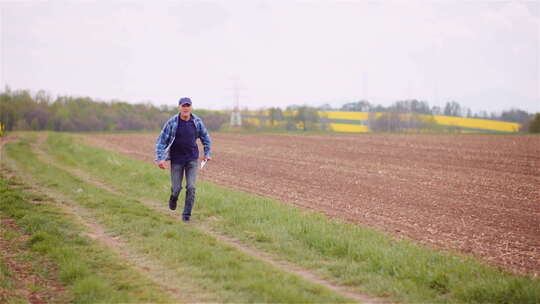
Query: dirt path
[[288, 267], [160, 207], [479, 194], [180, 288]]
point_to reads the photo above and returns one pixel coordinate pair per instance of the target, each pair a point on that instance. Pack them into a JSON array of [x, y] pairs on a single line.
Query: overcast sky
[[483, 54]]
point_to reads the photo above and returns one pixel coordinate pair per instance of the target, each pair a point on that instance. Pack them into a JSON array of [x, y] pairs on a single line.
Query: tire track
[[280, 264], [156, 272]]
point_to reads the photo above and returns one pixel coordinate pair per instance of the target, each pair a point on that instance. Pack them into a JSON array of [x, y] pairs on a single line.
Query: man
[[177, 142]]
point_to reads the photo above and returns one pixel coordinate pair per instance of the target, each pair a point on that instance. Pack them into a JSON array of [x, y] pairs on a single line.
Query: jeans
[[177, 174]]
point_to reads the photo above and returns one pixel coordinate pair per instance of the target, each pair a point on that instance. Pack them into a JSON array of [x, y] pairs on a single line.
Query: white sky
[[483, 54]]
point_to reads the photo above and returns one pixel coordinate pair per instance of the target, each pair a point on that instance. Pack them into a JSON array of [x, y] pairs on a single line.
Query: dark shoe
[[172, 202], [185, 218]]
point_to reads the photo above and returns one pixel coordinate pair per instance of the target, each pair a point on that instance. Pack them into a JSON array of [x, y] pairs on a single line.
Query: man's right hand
[[161, 164]]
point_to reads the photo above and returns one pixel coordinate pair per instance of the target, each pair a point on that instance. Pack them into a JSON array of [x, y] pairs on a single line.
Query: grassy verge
[[217, 268], [364, 259], [25, 274], [89, 271]]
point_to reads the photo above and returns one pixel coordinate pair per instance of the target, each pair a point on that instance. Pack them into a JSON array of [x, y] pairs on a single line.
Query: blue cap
[[184, 100]]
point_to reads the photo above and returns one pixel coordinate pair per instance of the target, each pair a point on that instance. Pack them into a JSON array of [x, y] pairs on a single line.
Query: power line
[[236, 116]]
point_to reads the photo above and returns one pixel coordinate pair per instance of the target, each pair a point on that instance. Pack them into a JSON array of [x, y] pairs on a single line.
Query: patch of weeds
[[34, 223], [9, 235], [261, 238], [35, 288], [73, 270], [92, 289], [170, 234], [146, 233], [440, 283], [39, 236]]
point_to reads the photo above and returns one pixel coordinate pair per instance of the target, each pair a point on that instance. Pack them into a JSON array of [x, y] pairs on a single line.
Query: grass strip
[[90, 273], [369, 261], [217, 268]]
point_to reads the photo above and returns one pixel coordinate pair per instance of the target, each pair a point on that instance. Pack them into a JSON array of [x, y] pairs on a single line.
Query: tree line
[[21, 110], [399, 116], [451, 108]]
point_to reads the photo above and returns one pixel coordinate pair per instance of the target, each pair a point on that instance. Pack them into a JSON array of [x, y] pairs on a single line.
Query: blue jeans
[[177, 174]]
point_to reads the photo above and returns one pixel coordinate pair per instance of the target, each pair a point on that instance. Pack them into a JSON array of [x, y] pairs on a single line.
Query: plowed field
[[478, 194]]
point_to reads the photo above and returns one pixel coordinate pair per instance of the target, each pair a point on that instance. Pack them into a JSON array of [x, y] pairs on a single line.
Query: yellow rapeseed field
[[357, 122], [338, 127], [474, 123]]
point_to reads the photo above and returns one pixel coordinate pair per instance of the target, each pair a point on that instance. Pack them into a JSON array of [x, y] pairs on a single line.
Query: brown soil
[[478, 194]]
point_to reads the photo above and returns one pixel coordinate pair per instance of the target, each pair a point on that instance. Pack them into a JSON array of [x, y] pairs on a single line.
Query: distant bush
[[307, 119], [387, 122], [534, 124], [397, 122], [213, 120]]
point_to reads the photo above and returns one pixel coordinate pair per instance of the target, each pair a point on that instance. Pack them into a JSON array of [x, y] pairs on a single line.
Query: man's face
[[185, 109]]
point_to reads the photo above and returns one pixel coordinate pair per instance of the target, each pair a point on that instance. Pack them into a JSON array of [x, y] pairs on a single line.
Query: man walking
[[177, 142]]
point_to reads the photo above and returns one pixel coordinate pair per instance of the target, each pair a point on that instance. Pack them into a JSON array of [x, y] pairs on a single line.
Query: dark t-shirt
[[184, 147]]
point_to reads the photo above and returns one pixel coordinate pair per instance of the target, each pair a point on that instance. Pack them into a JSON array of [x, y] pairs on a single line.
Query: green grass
[[364, 259], [37, 265], [218, 269], [90, 272]]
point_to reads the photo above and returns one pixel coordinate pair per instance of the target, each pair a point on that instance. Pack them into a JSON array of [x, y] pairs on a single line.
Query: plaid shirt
[[166, 137]]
